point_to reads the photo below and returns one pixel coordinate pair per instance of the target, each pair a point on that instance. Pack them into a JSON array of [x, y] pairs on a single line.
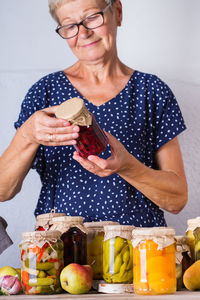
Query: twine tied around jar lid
[[162, 236], [64, 223], [41, 237], [94, 228], [112, 231], [45, 220], [181, 246], [75, 111]]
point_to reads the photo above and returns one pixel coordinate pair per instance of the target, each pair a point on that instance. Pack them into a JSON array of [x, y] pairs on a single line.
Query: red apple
[[76, 279]]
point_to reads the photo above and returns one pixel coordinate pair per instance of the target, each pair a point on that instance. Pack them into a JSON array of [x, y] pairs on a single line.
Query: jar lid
[[124, 231], [49, 216], [153, 231], [74, 111], [100, 224], [193, 223], [68, 219], [64, 223], [41, 235], [181, 240]]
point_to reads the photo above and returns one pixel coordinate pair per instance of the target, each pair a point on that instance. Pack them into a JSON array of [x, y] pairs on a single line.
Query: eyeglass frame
[[82, 22]]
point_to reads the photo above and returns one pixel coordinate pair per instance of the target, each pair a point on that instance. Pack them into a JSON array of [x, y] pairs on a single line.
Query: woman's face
[[91, 45]]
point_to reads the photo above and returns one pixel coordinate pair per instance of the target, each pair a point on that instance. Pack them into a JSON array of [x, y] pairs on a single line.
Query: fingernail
[[66, 124], [74, 135], [76, 128]]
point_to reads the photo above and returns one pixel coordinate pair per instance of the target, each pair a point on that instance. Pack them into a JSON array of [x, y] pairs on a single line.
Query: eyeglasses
[[91, 22]]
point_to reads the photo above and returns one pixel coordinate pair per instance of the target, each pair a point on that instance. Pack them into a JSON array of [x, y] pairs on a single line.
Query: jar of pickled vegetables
[[92, 140], [118, 254], [183, 259], [192, 225], [41, 262], [95, 246], [44, 221], [154, 267], [74, 237]]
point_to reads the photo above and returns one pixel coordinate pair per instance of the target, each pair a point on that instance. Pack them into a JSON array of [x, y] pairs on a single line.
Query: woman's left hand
[[118, 161]]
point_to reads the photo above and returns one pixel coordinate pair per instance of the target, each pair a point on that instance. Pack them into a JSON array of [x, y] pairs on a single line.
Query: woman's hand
[[43, 128], [117, 162]]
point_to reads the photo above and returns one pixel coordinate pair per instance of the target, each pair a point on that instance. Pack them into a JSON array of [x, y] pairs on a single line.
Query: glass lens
[[68, 31], [93, 21]]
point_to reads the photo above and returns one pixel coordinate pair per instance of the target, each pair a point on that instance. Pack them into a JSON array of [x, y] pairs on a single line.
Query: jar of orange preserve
[[154, 266]]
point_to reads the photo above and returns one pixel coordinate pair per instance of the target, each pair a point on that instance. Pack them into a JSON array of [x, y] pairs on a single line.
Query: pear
[[191, 277]]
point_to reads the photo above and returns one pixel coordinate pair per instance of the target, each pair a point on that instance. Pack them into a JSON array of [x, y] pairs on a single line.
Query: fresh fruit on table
[[191, 277], [9, 285], [76, 279], [18, 273], [7, 270]]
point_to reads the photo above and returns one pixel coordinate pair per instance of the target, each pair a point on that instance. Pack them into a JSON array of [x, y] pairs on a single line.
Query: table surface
[[182, 295]]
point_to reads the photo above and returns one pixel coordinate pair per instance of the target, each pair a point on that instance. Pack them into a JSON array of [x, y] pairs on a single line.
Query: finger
[[101, 163], [51, 109], [60, 130], [48, 121], [85, 163], [56, 138]]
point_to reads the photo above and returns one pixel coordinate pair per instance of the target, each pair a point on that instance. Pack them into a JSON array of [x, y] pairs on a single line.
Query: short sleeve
[[35, 99], [169, 119]]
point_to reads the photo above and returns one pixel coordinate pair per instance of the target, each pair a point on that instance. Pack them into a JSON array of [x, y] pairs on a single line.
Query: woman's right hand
[[43, 128]]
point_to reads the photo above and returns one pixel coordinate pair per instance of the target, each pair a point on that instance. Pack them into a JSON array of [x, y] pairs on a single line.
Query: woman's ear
[[118, 12]]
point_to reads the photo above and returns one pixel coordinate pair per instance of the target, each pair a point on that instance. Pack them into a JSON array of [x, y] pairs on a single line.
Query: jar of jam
[[41, 262], [118, 254], [192, 225], [92, 140], [154, 267], [183, 259], [44, 221], [95, 246], [74, 237]]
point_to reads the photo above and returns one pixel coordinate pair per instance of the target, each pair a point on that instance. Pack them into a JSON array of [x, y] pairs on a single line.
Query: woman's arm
[[16, 161], [166, 187]]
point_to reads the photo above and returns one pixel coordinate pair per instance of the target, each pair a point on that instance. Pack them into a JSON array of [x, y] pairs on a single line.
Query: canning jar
[[44, 221], [192, 225], [183, 259], [41, 262], [92, 140], [74, 237], [95, 246], [154, 267], [118, 254]]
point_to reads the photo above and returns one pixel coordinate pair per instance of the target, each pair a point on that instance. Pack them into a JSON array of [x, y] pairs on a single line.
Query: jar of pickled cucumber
[[95, 246], [118, 254], [192, 225], [183, 259], [44, 221], [41, 262], [74, 237], [154, 267]]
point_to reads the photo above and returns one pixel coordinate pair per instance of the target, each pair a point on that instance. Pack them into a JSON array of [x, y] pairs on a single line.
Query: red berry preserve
[[92, 140]]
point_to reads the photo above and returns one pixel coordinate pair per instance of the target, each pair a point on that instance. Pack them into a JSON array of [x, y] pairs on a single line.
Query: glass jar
[[95, 246], [44, 221], [41, 262], [74, 237], [183, 259], [118, 254], [92, 140], [192, 225], [154, 267]]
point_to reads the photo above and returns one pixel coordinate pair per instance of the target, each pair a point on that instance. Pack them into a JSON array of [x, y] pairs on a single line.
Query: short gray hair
[[54, 4]]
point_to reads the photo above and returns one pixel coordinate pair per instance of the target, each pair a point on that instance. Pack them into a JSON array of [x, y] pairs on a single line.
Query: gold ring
[[50, 137]]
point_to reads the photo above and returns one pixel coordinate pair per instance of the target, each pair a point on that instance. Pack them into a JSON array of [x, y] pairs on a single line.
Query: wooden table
[[183, 295]]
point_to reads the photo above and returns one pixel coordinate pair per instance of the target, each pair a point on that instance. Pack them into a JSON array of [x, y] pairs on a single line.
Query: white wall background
[[160, 37]]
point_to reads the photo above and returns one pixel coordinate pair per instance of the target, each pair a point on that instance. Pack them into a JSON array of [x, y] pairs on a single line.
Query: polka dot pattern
[[143, 116]]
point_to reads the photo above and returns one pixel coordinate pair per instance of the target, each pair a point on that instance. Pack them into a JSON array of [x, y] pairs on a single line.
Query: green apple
[[76, 279], [7, 270]]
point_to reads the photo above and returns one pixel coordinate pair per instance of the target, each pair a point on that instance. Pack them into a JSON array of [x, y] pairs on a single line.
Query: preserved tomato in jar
[[92, 140], [154, 267], [41, 262], [95, 246], [118, 254], [74, 237], [44, 221]]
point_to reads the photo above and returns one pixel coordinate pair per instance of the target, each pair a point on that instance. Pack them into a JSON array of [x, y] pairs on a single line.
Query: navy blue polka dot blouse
[[143, 116]]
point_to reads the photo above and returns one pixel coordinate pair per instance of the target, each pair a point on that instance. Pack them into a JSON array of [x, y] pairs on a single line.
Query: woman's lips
[[90, 44]]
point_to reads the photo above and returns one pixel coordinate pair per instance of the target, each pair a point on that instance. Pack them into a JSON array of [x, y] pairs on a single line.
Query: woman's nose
[[84, 32]]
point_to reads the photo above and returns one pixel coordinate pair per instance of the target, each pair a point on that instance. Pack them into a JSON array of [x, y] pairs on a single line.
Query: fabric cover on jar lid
[[64, 223]]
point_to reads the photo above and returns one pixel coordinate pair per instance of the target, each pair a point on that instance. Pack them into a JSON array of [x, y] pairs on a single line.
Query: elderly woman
[[141, 173]]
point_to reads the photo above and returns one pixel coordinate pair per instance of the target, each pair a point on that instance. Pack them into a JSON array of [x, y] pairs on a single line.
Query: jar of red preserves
[[92, 140], [44, 221], [74, 237]]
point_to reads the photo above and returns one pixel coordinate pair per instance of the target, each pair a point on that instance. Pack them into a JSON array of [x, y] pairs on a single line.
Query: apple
[[7, 270], [76, 279]]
